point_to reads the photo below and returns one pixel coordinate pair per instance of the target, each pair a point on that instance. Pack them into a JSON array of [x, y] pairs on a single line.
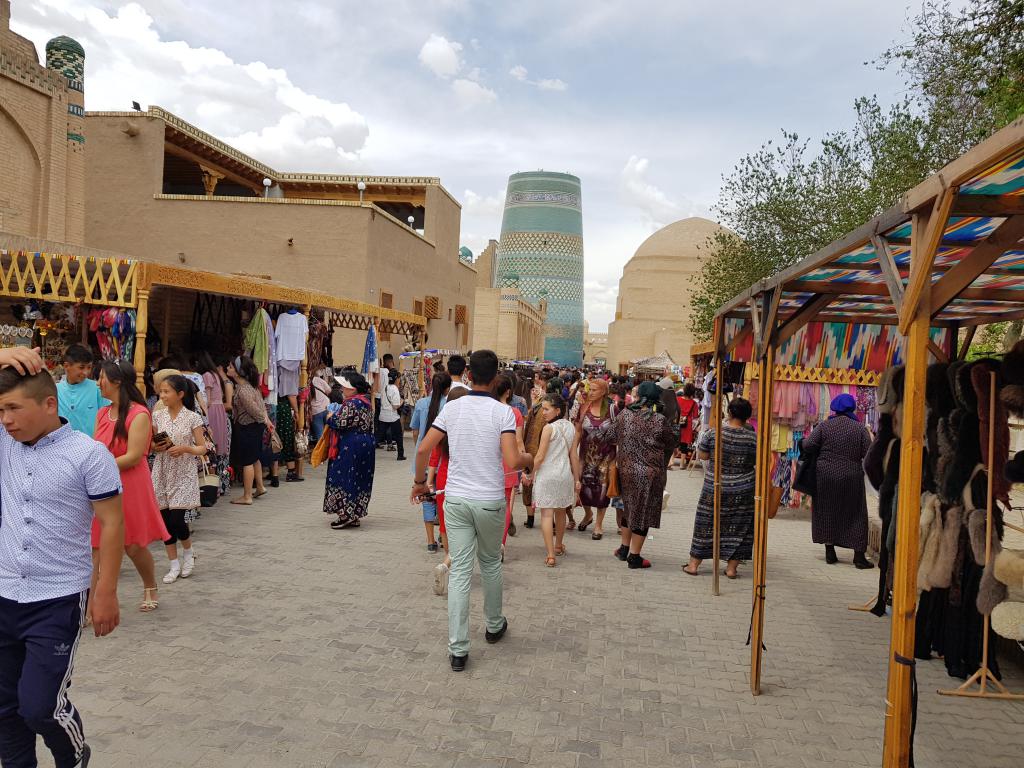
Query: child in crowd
[[178, 440], [437, 479], [556, 475], [78, 396]]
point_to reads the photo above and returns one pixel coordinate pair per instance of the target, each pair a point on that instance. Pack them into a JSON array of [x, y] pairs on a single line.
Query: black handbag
[[806, 477]]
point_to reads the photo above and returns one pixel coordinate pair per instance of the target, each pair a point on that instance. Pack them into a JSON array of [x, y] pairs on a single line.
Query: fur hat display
[[931, 534], [1014, 470], [991, 591], [981, 380], [1012, 396], [976, 530], [1012, 368], [1009, 567], [941, 574], [1007, 620], [885, 394], [937, 393]]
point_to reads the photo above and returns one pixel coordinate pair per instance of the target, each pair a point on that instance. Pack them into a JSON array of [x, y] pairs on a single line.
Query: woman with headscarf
[[739, 452], [351, 456], [597, 452], [839, 507], [644, 441]]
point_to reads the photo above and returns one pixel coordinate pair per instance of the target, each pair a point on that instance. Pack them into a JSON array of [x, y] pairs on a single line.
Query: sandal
[[550, 562], [560, 550], [260, 493], [597, 535], [148, 603], [688, 572], [570, 523], [242, 502], [728, 575], [583, 526]]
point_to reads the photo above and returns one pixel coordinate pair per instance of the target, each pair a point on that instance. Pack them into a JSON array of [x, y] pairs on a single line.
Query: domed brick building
[[652, 312]]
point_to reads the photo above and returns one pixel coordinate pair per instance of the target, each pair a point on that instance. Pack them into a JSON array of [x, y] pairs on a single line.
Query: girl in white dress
[[556, 475]]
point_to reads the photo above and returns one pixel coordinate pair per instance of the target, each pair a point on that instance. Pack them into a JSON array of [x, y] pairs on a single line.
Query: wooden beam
[[716, 424], [926, 233], [943, 243], [184, 154], [853, 291], [772, 316], [802, 317], [905, 273], [755, 319], [889, 271], [762, 466], [966, 346], [987, 205], [938, 352], [966, 271]]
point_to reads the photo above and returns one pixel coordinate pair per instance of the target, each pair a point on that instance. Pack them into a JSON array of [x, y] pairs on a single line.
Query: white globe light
[[267, 182]]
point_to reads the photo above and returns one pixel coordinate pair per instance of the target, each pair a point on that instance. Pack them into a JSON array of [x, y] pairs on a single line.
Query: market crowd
[[95, 467]]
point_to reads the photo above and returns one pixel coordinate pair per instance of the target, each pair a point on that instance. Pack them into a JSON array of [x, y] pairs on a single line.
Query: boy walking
[[78, 396], [53, 480], [481, 432]]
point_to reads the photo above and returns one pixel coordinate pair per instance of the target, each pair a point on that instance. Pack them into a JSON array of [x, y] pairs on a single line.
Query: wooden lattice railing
[[844, 376], [68, 278]]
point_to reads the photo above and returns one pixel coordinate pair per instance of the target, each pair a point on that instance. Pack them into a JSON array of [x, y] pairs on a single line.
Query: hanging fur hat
[[930, 532], [1014, 470], [1009, 567], [991, 591], [1012, 396], [981, 379], [941, 574], [1013, 364], [963, 388], [886, 395], [1007, 620], [976, 525], [937, 392], [965, 457]]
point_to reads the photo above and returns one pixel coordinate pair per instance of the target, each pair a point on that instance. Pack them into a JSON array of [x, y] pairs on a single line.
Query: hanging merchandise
[[290, 335], [256, 339], [115, 332]]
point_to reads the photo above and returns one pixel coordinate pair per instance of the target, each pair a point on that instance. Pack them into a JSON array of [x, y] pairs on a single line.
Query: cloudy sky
[[649, 102]]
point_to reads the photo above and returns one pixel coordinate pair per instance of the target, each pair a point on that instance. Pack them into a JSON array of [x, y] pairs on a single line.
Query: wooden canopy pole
[[896, 750], [141, 328], [983, 677], [716, 424], [766, 387]]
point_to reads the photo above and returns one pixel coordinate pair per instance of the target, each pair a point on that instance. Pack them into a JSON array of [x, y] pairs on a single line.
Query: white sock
[[187, 554], [175, 565]]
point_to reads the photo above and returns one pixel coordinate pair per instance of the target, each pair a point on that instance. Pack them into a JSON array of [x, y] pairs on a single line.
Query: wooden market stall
[[946, 259], [55, 272]]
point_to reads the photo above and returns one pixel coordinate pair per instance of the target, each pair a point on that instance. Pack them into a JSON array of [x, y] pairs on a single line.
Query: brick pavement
[[296, 645]]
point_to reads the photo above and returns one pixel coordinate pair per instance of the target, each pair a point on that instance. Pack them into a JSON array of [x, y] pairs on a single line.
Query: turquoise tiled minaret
[[541, 251]]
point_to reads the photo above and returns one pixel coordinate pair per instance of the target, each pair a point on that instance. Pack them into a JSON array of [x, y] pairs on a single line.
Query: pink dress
[[216, 414], [142, 521]]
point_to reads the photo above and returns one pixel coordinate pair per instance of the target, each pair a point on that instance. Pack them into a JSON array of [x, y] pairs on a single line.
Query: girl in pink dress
[[124, 427]]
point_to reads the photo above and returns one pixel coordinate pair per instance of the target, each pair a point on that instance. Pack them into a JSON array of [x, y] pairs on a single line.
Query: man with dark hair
[[457, 369], [380, 383], [54, 479], [481, 433], [78, 396]]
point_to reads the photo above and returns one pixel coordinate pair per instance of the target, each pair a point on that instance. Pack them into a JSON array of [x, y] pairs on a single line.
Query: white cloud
[[552, 85], [471, 94], [251, 105], [479, 205], [441, 56], [520, 73], [655, 206]]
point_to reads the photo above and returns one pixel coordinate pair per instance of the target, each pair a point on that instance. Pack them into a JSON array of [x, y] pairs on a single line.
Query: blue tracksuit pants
[[37, 654]]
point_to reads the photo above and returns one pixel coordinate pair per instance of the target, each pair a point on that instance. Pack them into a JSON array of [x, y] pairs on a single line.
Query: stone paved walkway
[[296, 645]]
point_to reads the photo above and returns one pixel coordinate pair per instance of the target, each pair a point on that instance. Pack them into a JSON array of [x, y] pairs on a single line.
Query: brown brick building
[[42, 146]]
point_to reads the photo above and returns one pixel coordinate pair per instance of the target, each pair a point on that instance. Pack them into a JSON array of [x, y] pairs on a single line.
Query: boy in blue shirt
[[78, 396]]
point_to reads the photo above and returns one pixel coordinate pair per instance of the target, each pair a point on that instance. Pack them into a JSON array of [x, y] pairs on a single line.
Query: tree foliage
[[965, 75]]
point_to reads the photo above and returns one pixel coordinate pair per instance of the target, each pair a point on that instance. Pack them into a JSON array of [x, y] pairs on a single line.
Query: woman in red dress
[[125, 428], [689, 418]]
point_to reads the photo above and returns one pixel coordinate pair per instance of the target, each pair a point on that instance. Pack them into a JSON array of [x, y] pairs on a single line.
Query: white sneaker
[[174, 573], [188, 564], [441, 579]]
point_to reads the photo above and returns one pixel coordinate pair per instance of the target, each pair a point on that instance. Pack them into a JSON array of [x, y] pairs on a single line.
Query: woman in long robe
[[351, 455]]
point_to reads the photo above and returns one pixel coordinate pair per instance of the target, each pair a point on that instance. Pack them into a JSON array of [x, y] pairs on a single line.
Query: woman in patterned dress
[[839, 508], [736, 516], [352, 453], [597, 452], [644, 441]]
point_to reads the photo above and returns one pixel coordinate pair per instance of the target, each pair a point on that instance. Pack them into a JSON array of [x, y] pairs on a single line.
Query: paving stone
[[295, 645]]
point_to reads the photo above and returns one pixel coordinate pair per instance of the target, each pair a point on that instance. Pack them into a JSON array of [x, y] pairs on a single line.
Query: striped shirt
[[46, 495], [474, 425]]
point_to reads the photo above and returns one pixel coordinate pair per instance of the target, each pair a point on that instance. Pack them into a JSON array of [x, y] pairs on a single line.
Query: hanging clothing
[[736, 513], [290, 336], [215, 412], [839, 508], [256, 340]]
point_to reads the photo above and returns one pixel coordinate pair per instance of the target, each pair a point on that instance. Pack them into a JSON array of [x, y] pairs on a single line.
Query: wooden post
[[766, 387], [141, 327], [896, 751], [716, 424]]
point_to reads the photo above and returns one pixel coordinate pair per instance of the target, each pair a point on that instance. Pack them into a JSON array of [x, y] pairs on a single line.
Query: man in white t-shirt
[[481, 433]]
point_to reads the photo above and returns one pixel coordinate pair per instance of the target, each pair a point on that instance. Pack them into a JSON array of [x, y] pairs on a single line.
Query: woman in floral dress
[[597, 452], [351, 456]]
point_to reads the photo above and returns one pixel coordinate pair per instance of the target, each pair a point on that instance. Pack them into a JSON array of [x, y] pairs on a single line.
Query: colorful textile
[[256, 340]]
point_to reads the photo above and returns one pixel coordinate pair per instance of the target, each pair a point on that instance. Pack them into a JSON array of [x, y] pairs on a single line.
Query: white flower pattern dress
[[554, 487], [176, 478]]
